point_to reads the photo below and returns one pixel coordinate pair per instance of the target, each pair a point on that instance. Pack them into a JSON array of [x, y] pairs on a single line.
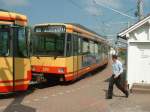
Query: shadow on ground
[[114, 95], [16, 105]]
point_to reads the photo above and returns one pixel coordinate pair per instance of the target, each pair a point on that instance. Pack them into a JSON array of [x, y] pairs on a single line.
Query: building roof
[[133, 27]]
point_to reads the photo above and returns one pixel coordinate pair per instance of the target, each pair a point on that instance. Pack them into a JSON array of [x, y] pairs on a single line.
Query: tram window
[[60, 44], [99, 48], [4, 43], [69, 46], [75, 45], [85, 46], [38, 44], [79, 45], [49, 44], [96, 48], [102, 48], [92, 49], [22, 43], [106, 49]]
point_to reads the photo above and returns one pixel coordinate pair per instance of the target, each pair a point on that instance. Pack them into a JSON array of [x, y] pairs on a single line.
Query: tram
[[66, 51], [15, 69]]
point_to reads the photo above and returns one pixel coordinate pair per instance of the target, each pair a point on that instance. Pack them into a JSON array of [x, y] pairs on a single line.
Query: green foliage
[[123, 54]]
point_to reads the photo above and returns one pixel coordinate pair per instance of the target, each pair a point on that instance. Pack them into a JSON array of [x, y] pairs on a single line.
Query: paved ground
[[86, 95]]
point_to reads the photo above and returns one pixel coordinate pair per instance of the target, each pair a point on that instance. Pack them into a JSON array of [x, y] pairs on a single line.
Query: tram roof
[[13, 17], [73, 27]]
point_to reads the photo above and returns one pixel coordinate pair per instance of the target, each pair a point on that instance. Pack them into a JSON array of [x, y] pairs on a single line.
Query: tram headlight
[[33, 69], [61, 70]]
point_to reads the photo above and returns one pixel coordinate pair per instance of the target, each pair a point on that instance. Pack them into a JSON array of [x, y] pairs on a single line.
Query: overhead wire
[[96, 20], [75, 4], [117, 11], [78, 6]]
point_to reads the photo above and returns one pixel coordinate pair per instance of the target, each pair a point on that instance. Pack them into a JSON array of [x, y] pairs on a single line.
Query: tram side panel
[[22, 74], [86, 57], [6, 77]]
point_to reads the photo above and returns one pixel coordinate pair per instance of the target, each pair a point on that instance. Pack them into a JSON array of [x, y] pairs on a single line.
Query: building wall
[[138, 60]]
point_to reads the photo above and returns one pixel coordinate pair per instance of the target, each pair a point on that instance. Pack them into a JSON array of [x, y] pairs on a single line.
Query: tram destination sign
[[50, 28]]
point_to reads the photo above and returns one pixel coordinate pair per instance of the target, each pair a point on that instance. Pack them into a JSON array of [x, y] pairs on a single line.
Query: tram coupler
[[39, 78], [61, 79]]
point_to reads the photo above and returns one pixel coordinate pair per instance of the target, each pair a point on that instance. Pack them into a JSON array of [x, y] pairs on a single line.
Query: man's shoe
[[127, 94], [109, 97]]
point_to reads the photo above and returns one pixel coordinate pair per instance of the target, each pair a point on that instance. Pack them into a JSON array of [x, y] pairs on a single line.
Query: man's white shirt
[[117, 68]]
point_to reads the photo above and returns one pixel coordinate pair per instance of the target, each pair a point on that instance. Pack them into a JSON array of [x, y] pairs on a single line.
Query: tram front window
[[4, 41], [49, 44], [22, 42]]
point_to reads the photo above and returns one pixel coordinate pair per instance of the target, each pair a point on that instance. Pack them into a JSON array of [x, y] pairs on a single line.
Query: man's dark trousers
[[117, 82]]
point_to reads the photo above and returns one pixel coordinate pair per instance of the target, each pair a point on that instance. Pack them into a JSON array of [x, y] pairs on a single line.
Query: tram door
[[21, 64], [75, 55], [6, 60]]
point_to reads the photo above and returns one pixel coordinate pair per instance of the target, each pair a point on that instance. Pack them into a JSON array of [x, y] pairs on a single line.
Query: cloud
[[11, 3], [93, 9], [112, 3]]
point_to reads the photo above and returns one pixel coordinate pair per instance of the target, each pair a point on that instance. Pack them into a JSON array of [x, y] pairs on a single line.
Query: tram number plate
[[45, 69], [37, 74]]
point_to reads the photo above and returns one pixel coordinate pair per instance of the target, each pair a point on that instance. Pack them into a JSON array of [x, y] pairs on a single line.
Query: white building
[[138, 52], [112, 51]]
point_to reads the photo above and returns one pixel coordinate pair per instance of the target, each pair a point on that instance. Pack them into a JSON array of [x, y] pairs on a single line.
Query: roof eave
[[135, 26], [122, 37]]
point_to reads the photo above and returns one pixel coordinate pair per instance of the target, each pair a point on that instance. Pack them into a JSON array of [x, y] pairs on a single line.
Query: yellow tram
[[15, 70], [66, 50]]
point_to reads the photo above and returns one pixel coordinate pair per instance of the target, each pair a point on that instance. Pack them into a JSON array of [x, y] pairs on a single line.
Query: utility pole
[[139, 12]]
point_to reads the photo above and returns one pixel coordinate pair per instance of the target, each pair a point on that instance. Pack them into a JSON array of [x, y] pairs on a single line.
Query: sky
[[106, 17]]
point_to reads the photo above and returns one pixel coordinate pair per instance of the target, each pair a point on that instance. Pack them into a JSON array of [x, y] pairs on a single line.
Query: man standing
[[117, 71]]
